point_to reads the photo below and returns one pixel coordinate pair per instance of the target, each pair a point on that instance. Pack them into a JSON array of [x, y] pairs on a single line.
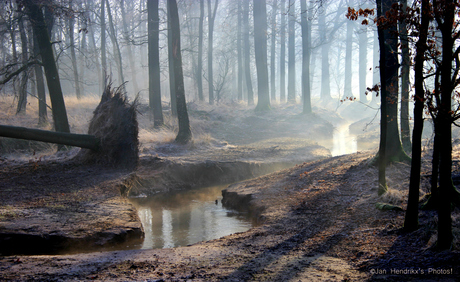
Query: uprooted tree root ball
[[115, 124]]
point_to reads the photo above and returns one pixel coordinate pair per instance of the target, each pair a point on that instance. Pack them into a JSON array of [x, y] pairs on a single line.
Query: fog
[[341, 54]]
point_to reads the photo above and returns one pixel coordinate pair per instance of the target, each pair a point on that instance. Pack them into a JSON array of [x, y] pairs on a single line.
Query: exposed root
[[115, 124]]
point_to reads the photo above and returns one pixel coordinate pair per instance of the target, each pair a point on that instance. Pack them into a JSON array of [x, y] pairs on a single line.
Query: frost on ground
[[318, 218]]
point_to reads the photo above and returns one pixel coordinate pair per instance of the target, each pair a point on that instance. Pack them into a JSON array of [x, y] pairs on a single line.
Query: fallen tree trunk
[[112, 137], [78, 140]]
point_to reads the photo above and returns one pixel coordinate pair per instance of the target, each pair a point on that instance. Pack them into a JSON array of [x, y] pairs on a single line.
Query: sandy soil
[[318, 219]]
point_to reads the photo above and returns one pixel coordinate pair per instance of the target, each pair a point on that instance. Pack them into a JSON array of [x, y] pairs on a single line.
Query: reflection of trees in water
[[185, 218], [343, 141]]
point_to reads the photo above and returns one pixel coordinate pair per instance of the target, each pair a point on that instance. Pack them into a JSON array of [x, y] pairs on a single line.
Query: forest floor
[[318, 219]]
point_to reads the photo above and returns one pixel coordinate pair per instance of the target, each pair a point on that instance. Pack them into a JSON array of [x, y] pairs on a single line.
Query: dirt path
[[319, 224], [318, 219]]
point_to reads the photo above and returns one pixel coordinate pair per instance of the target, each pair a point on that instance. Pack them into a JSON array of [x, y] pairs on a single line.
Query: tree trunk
[[172, 82], [291, 53], [154, 63], [325, 49], [116, 46], [383, 96], [306, 53], [347, 91], [260, 51], [71, 26], [273, 52], [411, 218], [83, 30], [405, 82], [52, 76], [375, 65], [128, 45], [446, 187], [93, 45], [362, 64], [42, 110], [283, 53], [199, 75], [103, 46], [247, 53], [185, 134], [63, 138], [394, 150], [22, 101], [211, 18]]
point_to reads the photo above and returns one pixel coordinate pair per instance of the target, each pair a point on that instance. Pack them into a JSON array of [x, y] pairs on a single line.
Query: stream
[[187, 217], [182, 218], [343, 142]]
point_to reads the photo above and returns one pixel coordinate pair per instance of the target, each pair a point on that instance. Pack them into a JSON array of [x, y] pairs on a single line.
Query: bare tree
[[306, 54], [185, 134], [211, 18], [52, 76], [22, 101], [260, 50], [71, 25], [247, 69], [199, 74], [283, 52], [291, 53], [126, 35], [273, 52], [154, 63]]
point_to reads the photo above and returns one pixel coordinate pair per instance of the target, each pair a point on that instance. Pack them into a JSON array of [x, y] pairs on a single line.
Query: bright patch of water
[[187, 217]]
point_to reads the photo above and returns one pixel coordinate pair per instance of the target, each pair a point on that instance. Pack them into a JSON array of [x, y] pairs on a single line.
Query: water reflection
[[185, 218], [343, 142]]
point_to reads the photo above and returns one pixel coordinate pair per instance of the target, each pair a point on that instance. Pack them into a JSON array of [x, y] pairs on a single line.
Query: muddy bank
[[320, 224], [65, 207], [61, 206]]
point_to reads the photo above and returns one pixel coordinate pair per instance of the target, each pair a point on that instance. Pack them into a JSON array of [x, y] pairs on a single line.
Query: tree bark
[[63, 138], [347, 91], [172, 81], [260, 51], [42, 110], [405, 82], [362, 64], [93, 45], [375, 65], [446, 187], [383, 96], [306, 54], [283, 52], [22, 101], [394, 150], [116, 46], [247, 53], [83, 30], [325, 49], [411, 218], [291, 54], [129, 47], [103, 46], [273, 53], [71, 26], [211, 18], [199, 75], [52, 76], [185, 134], [154, 63]]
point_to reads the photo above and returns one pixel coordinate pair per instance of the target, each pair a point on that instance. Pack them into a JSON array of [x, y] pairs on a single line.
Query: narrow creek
[[187, 217], [181, 218], [343, 142]]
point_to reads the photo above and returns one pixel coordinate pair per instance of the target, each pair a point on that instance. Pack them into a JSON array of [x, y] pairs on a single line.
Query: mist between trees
[[217, 46]]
